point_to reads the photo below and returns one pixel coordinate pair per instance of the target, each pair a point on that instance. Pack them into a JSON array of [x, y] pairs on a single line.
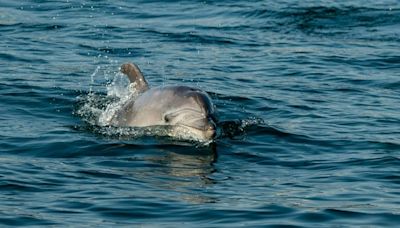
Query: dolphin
[[189, 112]]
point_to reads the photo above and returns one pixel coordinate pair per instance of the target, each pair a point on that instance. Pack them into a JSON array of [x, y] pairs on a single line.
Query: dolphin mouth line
[[183, 109], [203, 127], [193, 127], [198, 116]]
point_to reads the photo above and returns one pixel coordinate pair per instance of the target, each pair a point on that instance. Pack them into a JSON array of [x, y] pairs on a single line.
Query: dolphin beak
[[211, 130]]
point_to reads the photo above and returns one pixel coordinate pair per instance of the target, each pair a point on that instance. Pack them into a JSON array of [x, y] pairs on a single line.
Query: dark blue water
[[311, 90]]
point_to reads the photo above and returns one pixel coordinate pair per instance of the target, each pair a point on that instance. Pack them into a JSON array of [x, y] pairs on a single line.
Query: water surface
[[312, 87]]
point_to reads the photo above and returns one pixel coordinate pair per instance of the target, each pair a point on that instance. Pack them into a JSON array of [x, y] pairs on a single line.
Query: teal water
[[310, 91]]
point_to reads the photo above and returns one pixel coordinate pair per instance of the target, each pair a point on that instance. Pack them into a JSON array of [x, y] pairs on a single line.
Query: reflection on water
[[185, 169], [176, 172]]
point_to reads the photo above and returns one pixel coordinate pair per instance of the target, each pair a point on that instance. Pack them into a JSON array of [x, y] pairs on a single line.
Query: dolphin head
[[188, 111], [192, 114]]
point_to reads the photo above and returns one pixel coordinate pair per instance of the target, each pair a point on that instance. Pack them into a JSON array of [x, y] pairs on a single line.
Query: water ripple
[[306, 93]]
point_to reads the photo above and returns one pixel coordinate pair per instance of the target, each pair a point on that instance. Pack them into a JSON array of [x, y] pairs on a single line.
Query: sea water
[[308, 92]]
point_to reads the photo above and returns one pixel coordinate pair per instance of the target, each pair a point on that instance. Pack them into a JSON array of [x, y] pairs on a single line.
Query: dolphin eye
[[166, 119]]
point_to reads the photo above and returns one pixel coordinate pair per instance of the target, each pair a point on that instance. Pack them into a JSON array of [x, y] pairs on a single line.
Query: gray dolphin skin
[[189, 111]]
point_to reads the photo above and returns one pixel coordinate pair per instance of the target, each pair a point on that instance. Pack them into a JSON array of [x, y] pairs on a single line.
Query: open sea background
[[311, 89]]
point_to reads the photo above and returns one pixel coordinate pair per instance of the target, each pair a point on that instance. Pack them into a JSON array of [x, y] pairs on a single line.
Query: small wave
[[19, 187], [354, 22], [26, 220], [127, 52], [14, 58], [42, 26], [333, 20], [192, 37], [386, 161]]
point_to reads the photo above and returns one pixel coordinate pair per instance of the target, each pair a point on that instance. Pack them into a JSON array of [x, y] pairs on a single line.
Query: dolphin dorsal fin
[[135, 76]]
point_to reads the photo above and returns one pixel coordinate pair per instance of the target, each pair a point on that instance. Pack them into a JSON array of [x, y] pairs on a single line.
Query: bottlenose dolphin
[[188, 111]]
